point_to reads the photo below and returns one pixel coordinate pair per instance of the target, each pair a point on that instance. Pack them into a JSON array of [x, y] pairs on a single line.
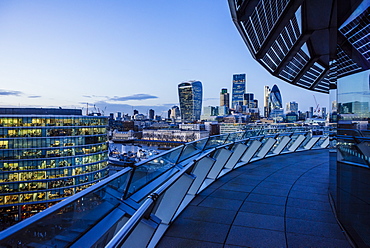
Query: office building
[[249, 101], [174, 113], [190, 98], [292, 107], [275, 101], [46, 156], [151, 114], [266, 96], [210, 111], [323, 46], [238, 90], [224, 98]]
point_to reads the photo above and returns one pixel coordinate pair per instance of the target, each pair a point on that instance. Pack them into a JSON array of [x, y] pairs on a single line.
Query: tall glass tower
[[224, 98], [190, 98], [238, 90], [275, 99]]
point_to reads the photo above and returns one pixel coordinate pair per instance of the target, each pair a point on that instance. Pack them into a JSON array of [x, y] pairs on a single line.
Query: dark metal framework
[[298, 40]]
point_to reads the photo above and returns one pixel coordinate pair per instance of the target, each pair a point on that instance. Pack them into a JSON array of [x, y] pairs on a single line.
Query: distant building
[[223, 110], [174, 113], [275, 99], [249, 101], [224, 98], [210, 112], [310, 113], [151, 114], [231, 127], [292, 107], [266, 96], [291, 117], [238, 90], [190, 98]]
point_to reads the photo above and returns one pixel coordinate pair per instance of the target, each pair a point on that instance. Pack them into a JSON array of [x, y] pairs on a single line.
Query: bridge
[[135, 206]]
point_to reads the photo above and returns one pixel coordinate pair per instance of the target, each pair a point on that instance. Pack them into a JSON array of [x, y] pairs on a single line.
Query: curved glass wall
[[44, 159]]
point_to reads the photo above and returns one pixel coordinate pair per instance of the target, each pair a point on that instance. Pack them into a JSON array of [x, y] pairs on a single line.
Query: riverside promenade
[[280, 201]]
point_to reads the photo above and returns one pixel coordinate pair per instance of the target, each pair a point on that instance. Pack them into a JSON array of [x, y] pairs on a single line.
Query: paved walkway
[[276, 202]]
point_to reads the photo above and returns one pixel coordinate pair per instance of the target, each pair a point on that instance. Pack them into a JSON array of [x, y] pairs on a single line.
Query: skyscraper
[[266, 95], [275, 100], [190, 98], [238, 90], [224, 98], [151, 114]]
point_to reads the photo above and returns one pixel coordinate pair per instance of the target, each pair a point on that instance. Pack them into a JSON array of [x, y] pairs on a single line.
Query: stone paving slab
[[280, 201]]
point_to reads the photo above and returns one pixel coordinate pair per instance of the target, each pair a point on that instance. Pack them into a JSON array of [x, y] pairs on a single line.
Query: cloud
[[128, 109], [34, 96], [133, 97], [10, 93], [95, 96]]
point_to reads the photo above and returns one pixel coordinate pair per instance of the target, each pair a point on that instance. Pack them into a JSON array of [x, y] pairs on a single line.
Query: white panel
[[201, 170], [222, 156], [205, 184], [283, 142], [325, 143], [252, 149], [266, 147], [297, 143], [311, 143], [140, 236], [235, 157], [172, 198]]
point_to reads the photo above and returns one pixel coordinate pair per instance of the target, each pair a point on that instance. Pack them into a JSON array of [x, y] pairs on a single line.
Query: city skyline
[[107, 55]]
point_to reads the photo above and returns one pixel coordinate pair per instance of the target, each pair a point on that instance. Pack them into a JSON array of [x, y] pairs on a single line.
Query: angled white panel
[[283, 142], [222, 156], [311, 143], [266, 147], [201, 170], [325, 143], [141, 235], [172, 198], [235, 157], [252, 149], [297, 143]]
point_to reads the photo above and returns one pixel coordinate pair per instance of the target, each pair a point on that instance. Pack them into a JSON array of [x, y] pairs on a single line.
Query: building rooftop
[[39, 111], [275, 202]]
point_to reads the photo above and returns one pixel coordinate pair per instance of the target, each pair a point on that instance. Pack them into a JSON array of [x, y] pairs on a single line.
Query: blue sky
[[125, 55]]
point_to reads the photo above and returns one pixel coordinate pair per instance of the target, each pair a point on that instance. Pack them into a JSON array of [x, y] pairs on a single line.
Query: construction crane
[[317, 109]]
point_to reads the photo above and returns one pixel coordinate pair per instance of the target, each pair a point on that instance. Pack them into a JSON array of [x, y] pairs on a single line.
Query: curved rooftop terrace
[[275, 202]]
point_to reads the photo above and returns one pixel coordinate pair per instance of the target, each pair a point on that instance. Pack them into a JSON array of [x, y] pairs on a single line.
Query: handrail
[[122, 234]]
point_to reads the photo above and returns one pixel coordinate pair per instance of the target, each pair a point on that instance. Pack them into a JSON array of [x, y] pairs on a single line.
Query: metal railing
[[134, 207]]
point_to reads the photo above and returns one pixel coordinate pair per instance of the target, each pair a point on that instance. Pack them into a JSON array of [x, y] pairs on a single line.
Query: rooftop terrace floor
[[280, 201]]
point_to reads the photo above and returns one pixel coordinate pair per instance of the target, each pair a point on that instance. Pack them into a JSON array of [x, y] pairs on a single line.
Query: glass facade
[[45, 158], [238, 90], [275, 99], [190, 97]]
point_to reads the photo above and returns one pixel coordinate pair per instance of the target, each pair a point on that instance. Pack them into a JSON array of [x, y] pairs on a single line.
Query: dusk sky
[[125, 55]]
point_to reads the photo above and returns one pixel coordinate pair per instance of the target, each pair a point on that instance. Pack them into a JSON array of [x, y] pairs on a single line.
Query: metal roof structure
[[299, 41]]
